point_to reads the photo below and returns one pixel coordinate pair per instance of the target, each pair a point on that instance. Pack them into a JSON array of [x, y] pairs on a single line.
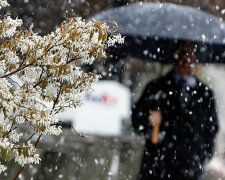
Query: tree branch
[[18, 173], [57, 98], [15, 71], [9, 131], [39, 137], [73, 128], [29, 138], [22, 168]]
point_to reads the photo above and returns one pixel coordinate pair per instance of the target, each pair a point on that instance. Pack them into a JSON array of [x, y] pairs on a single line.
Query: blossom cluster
[[3, 3], [40, 76]]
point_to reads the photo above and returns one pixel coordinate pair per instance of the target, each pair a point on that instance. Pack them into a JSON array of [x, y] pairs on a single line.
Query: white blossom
[[10, 26], [30, 75], [3, 3], [51, 90], [20, 119], [5, 143], [22, 160], [2, 168], [14, 136]]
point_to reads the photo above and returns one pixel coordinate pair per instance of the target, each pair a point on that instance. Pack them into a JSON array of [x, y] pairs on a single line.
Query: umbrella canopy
[[154, 30]]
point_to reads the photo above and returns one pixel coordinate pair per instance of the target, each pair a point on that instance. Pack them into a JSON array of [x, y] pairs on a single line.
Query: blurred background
[[112, 151]]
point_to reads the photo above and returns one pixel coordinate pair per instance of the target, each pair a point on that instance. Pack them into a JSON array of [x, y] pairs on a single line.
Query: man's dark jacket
[[187, 132]]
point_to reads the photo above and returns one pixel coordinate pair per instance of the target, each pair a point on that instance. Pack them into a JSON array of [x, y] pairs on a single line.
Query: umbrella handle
[[155, 133]]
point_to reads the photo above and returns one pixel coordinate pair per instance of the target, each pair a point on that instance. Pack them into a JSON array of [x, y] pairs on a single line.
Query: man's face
[[186, 58]]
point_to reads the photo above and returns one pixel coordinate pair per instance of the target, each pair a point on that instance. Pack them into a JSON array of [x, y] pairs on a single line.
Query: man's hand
[[155, 118]]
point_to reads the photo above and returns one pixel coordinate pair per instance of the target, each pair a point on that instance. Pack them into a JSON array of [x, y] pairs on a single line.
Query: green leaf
[[3, 153], [19, 151], [8, 157], [60, 70], [25, 152]]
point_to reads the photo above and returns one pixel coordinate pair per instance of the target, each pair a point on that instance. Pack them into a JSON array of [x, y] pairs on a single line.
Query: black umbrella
[[153, 31]]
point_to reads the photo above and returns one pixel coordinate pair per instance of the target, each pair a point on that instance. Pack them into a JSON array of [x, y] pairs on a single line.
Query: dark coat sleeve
[[143, 107], [211, 127]]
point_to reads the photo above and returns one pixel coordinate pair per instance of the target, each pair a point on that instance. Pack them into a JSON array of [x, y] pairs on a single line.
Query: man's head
[[185, 59]]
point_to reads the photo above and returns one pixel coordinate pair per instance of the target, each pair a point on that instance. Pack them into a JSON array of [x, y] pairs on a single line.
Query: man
[[184, 109]]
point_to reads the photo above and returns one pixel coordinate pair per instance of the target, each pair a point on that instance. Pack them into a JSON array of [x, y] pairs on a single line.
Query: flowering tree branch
[[47, 76]]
